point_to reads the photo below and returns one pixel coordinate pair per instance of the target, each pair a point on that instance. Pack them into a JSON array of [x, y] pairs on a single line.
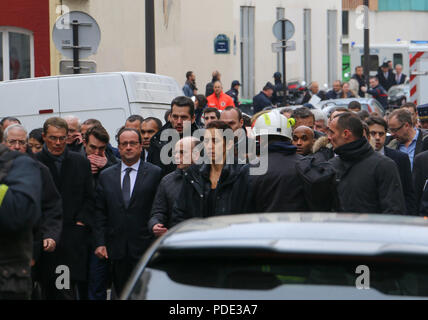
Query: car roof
[[359, 234]]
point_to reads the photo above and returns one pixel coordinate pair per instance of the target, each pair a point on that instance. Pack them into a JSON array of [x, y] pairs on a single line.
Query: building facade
[[232, 36], [24, 39]]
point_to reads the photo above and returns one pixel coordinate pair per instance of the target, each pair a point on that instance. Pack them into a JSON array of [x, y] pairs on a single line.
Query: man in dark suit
[[72, 175], [420, 176], [405, 137], [399, 77], [124, 200], [386, 76], [378, 128]]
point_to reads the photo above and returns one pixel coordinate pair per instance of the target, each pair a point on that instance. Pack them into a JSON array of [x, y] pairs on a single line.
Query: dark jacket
[[260, 102], [421, 143], [50, 224], [123, 230], [380, 95], [20, 208], [74, 183], [209, 88], [420, 175], [403, 164], [232, 195], [334, 95], [234, 94], [368, 182], [361, 83], [278, 93], [387, 82], [280, 189], [401, 81], [156, 146], [166, 195]]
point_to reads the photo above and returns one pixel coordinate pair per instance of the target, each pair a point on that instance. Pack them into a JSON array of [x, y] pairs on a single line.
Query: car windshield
[[277, 276]]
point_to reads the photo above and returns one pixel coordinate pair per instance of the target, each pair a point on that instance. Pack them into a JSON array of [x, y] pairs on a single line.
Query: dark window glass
[[345, 23], [19, 56]]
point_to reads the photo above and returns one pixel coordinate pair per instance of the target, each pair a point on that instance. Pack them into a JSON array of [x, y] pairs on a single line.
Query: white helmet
[[273, 123]]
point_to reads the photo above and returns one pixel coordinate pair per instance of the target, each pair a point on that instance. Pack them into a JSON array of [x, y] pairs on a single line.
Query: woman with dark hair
[[217, 187], [35, 140], [200, 105]]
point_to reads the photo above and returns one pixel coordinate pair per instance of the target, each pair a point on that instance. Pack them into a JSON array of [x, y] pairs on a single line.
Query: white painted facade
[[185, 33]]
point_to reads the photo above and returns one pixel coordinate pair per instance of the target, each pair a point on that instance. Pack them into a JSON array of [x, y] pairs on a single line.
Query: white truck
[[412, 56], [108, 97]]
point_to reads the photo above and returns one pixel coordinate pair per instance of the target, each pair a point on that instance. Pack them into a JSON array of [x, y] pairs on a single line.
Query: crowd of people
[[69, 198]]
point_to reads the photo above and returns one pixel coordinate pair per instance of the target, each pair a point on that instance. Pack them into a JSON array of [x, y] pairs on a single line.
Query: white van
[[108, 97]]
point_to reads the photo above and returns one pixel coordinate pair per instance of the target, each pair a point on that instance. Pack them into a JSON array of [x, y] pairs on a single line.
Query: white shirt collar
[[135, 166]]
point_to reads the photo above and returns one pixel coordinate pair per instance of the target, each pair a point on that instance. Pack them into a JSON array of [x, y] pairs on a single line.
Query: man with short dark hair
[[406, 138], [182, 114], [189, 88], [211, 114], [354, 106], [96, 142], [377, 91], [336, 92], [125, 196], [134, 121], [423, 116], [386, 76], [7, 121], [264, 98], [149, 128], [411, 107], [234, 92], [367, 181], [377, 136], [72, 175]]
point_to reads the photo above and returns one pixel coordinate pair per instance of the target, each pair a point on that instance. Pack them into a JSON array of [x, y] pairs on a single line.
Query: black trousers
[[121, 271]]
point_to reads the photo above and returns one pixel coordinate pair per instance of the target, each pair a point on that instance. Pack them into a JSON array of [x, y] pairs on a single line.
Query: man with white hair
[[399, 77], [320, 120], [169, 189], [48, 229], [74, 137]]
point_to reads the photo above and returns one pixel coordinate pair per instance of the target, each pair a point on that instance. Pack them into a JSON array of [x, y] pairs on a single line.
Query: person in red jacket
[[219, 99]]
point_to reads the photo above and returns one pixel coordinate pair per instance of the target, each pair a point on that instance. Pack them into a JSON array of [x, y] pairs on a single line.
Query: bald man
[[170, 186], [303, 139]]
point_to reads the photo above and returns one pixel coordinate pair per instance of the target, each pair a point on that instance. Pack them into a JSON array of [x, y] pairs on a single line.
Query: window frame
[[5, 30]]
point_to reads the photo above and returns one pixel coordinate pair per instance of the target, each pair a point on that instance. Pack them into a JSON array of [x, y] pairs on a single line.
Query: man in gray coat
[[170, 186]]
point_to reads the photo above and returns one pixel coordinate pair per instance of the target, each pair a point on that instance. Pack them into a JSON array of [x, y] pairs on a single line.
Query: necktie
[[126, 187]]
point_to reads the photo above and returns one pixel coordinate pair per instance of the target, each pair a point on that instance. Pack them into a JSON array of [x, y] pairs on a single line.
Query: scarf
[[355, 150]]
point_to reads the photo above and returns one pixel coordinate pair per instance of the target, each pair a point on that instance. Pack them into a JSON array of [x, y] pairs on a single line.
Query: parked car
[[399, 95], [286, 256], [368, 104]]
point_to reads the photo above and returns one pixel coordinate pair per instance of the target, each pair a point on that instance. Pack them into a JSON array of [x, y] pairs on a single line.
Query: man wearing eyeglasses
[[125, 195], [406, 138], [378, 128], [72, 175]]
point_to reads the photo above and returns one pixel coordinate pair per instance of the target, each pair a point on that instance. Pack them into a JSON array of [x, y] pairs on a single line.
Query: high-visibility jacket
[[220, 103]]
